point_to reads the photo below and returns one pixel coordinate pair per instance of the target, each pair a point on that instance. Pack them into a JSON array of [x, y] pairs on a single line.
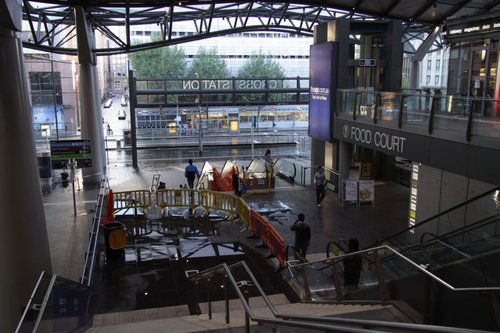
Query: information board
[[62, 151], [351, 190], [366, 191]]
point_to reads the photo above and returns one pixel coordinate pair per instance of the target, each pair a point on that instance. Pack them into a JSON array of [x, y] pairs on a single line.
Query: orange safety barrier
[[226, 179], [261, 226], [277, 245], [109, 215], [215, 182]]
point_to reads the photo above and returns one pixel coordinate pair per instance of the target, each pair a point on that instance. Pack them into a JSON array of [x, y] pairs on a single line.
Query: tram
[[231, 119]]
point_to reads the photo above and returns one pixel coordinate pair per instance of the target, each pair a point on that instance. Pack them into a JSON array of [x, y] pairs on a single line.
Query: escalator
[[446, 270]]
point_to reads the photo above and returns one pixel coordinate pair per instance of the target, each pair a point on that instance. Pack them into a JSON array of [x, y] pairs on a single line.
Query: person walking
[[319, 183], [267, 157], [191, 173], [302, 236]]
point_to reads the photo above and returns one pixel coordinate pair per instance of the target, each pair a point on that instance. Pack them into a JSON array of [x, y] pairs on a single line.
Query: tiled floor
[[126, 286]]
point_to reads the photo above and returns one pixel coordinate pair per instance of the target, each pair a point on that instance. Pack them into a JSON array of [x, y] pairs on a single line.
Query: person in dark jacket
[[191, 173], [352, 266], [236, 184], [302, 235]]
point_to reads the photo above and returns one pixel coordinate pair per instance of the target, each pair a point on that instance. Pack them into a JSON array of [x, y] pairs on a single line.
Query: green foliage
[[259, 66], [160, 63], [209, 65]]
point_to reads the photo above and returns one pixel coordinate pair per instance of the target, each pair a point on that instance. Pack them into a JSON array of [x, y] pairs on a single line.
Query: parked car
[[108, 103], [122, 115], [124, 101]]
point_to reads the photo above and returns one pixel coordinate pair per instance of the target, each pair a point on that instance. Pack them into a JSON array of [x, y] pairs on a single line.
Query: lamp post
[[198, 100]]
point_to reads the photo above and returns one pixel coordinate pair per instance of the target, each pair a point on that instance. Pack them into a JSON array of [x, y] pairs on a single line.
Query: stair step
[[146, 320]]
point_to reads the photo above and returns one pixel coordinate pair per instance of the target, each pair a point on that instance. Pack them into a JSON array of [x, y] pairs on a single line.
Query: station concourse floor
[[69, 234]]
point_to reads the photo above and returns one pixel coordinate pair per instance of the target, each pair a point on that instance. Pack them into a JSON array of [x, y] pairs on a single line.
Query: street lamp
[[198, 100]]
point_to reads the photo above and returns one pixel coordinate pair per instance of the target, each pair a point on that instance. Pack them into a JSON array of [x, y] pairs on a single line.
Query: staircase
[[177, 318]]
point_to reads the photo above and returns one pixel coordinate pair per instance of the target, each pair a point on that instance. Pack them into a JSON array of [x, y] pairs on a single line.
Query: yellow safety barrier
[[223, 201], [132, 199]]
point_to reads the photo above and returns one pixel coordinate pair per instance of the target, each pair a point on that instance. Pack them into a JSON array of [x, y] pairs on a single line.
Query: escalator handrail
[[430, 219], [407, 260], [320, 323], [436, 239]]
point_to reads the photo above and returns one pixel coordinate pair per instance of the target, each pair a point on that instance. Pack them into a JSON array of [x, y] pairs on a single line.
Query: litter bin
[[115, 238], [65, 178], [44, 164]]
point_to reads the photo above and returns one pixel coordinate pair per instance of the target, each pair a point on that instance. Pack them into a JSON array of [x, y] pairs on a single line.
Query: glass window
[[428, 79], [438, 64], [436, 80], [429, 65]]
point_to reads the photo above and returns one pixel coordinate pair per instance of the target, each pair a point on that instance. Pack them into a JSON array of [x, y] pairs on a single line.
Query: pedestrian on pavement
[[267, 157], [352, 266], [319, 182], [191, 173], [236, 184], [302, 236]]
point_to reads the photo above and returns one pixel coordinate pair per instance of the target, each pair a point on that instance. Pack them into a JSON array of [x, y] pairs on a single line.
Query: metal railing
[[385, 264], [241, 288], [90, 255], [461, 117]]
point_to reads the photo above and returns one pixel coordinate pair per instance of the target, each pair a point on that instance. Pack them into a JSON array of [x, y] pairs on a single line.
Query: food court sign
[[383, 139]]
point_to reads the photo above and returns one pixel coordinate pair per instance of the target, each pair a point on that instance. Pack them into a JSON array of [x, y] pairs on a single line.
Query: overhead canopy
[[51, 23]]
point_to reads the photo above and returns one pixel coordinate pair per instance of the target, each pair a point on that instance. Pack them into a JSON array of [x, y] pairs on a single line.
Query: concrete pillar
[[345, 158], [91, 124], [24, 247], [90, 106]]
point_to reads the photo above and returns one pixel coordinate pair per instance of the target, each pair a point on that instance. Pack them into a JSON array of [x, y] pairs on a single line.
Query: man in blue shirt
[[191, 173]]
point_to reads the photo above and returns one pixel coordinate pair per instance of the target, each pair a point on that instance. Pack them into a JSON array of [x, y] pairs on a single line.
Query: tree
[[160, 63], [209, 65], [259, 66], [168, 62]]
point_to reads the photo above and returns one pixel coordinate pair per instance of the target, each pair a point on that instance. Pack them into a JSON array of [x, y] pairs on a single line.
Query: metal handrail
[[88, 267], [305, 322], [409, 261], [28, 306], [430, 219], [436, 239]]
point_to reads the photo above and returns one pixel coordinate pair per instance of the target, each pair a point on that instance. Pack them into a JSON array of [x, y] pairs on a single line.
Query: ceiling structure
[[51, 23]]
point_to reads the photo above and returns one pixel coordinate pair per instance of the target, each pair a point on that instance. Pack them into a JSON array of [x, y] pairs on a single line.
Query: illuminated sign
[[377, 138], [322, 88], [460, 28], [367, 62], [413, 197], [63, 150]]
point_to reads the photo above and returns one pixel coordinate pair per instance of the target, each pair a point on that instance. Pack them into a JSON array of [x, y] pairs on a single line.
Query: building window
[[438, 65], [436, 80], [429, 65], [428, 79], [44, 87]]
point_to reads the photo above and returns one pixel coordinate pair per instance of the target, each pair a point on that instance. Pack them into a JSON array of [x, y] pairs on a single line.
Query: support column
[[345, 158], [24, 246], [91, 125], [90, 106]]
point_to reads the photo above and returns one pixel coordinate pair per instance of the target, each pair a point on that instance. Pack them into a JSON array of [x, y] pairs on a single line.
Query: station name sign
[[226, 84], [462, 29]]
